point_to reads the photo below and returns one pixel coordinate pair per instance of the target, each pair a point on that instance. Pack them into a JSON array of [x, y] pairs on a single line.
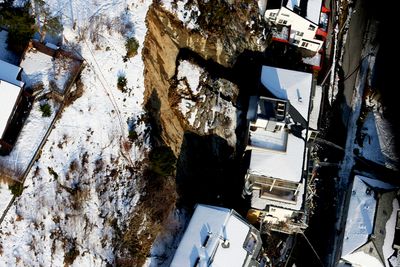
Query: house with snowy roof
[[302, 23], [369, 234], [11, 89], [281, 123], [218, 236]]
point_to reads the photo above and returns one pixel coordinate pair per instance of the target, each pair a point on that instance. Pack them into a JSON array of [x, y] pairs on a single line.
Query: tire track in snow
[[97, 70], [103, 81]]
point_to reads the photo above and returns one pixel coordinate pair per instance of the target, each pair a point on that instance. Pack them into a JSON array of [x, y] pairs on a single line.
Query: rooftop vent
[[225, 243]]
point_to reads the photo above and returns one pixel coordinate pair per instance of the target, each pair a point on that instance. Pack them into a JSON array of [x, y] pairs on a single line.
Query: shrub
[[52, 172], [131, 46], [71, 254], [20, 26], [122, 81], [162, 161], [133, 136], [16, 189], [46, 110]]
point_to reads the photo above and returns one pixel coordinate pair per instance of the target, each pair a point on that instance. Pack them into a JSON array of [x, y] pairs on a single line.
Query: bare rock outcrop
[[219, 31]]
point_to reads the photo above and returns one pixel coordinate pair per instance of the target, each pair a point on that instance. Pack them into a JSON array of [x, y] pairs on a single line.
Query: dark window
[[304, 44], [206, 240], [197, 261]]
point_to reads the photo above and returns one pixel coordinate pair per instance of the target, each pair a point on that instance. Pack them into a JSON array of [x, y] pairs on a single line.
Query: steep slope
[[80, 194], [219, 31]]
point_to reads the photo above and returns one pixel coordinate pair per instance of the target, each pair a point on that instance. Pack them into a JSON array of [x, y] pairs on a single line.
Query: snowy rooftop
[[9, 73], [286, 166], [316, 107], [8, 97], [368, 216], [204, 237], [260, 138], [313, 8], [261, 203], [294, 86], [363, 259], [315, 60], [359, 224]]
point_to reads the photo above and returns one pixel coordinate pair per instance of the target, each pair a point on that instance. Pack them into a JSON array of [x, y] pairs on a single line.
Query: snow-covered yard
[[167, 242], [82, 188], [5, 196], [49, 72], [31, 135]]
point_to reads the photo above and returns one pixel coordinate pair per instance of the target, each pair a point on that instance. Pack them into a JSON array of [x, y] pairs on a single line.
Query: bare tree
[[45, 21]]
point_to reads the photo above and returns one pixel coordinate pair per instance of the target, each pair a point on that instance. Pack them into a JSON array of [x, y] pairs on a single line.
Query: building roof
[[9, 94], [359, 224], [282, 165], [9, 73], [370, 224], [316, 107], [291, 85], [313, 8], [264, 139], [260, 203], [204, 238]]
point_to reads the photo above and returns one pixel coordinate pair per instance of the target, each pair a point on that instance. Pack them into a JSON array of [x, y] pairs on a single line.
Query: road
[[352, 53], [355, 68]]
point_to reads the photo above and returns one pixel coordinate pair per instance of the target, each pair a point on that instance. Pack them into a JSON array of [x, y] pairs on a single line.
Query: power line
[[315, 252], [357, 68]]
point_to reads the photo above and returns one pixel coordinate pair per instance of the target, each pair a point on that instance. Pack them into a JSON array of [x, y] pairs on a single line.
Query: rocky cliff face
[[219, 31]]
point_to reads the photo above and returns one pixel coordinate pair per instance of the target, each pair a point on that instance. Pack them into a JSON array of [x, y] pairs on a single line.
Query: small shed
[[10, 96]]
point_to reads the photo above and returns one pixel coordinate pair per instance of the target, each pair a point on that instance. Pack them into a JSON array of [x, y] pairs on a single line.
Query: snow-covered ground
[[31, 136], [39, 68], [5, 196], [81, 188], [167, 242], [185, 10], [191, 73]]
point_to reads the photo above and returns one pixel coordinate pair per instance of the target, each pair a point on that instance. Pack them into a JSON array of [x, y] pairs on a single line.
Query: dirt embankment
[[166, 37], [202, 156]]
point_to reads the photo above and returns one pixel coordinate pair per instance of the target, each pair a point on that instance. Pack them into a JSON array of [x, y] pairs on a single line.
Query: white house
[[278, 135], [218, 236], [369, 235], [10, 95], [302, 23]]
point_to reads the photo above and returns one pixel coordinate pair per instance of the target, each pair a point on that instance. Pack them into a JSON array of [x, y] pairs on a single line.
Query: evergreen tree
[[20, 25]]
